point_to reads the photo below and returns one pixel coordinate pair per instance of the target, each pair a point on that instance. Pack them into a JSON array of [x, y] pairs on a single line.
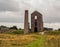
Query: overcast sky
[[13, 10]]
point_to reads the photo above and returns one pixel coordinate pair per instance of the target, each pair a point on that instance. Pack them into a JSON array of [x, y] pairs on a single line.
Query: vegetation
[[16, 38], [52, 41], [52, 32], [14, 28], [29, 40], [14, 32]]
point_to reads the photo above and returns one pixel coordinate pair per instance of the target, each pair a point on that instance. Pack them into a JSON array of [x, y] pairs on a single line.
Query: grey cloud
[[49, 8], [9, 5], [52, 12], [17, 20], [11, 17]]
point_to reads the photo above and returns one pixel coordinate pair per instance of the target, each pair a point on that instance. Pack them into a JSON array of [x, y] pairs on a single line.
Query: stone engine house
[[36, 22]]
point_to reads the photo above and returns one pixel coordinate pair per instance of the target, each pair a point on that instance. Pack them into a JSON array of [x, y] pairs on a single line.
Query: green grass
[[14, 32], [53, 32], [37, 43]]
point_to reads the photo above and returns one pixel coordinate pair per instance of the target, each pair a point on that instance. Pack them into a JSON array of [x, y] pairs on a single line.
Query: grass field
[[29, 40], [49, 39]]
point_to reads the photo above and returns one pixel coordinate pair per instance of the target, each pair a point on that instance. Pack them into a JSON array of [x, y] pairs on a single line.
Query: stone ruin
[[36, 22]]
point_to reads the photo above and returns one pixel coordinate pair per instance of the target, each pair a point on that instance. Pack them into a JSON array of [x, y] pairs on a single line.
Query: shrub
[[14, 28]]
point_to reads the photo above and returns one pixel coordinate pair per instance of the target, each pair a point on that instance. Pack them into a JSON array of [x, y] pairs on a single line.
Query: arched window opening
[[35, 17]]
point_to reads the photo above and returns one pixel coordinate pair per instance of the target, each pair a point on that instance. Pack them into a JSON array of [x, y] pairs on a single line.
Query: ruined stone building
[[36, 22]]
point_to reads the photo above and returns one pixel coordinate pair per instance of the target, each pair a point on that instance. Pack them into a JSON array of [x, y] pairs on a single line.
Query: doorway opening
[[35, 29]]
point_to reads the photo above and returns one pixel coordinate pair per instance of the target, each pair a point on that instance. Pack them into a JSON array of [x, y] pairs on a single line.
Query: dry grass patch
[[52, 41], [16, 40]]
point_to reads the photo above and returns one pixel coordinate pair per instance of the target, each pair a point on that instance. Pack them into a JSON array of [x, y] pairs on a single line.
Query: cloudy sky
[[13, 10]]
